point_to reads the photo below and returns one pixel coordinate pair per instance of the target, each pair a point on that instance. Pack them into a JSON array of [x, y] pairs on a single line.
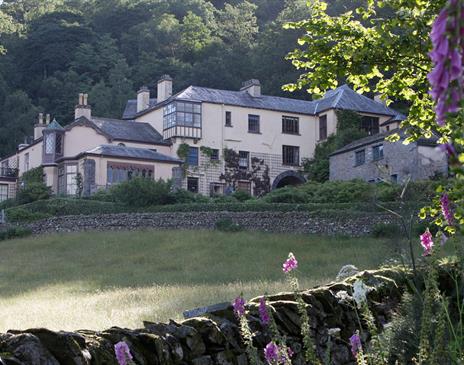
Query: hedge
[[62, 206]]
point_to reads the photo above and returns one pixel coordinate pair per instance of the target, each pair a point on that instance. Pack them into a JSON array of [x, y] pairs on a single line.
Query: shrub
[[102, 195], [8, 203], [227, 225], [288, 194], [386, 230], [141, 192], [14, 232], [182, 196], [19, 214], [32, 192], [35, 175], [241, 196]]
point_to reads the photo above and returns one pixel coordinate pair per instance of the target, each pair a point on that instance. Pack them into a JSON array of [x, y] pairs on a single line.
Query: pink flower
[[446, 76], [122, 352], [263, 312], [426, 242], [239, 306], [446, 209], [271, 353], [449, 149], [290, 264], [355, 342]]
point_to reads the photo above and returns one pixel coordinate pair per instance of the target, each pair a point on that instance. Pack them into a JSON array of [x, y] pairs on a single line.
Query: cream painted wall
[[80, 139], [35, 157], [155, 118]]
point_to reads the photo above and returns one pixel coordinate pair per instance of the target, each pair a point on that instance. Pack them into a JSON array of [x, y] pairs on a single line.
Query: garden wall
[[276, 222], [214, 338]]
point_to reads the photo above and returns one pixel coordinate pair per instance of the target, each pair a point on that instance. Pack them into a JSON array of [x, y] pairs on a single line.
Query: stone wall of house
[[399, 159], [276, 222], [214, 337]]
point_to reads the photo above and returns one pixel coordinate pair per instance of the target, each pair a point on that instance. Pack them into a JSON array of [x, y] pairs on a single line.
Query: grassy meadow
[[95, 280]]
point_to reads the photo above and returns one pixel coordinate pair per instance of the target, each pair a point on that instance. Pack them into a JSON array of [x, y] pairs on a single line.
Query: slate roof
[[342, 97], [131, 153], [131, 108], [55, 126], [432, 142], [128, 130]]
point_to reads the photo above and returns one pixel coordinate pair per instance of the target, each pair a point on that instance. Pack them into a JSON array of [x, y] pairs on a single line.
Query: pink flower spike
[[239, 306], [263, 312], [426, 242], [122, 352], [446, 209], [355, 342], [290, 264], [271, 353]]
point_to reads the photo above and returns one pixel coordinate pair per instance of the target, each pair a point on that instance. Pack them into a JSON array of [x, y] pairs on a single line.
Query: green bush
[[182, 196], [386, 230], [8, 203], [227, 225], [14, 232], [35, 175], [102, 195], [19, 214], [32, 192], [141, 192], [241, 196], [288, 194]]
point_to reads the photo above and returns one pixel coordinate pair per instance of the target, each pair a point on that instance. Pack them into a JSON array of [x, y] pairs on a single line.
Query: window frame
[[380, 155], [228, 119], [287, 121], [285, 151], [185, 110], [219, 185], [323, 127], [358, 162], [193, 178], [242, 158], [370, 124], [4, 196], [190, 157], [214, 154], [241, 183], [254, 118]]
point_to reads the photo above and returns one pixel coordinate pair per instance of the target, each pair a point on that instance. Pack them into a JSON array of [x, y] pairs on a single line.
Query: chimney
[[164, 88], [47, 119], [252, 87], [82, 109], [39, 127], [143, 99]]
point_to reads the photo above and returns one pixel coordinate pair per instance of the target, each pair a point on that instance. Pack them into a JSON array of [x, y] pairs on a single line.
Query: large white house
[[207, 140]]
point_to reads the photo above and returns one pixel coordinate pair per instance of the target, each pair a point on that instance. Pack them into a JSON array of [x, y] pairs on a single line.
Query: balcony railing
[[8, 172]]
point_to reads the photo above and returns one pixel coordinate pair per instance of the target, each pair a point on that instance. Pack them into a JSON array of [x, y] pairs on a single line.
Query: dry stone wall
[[276, 222], [214, 338]]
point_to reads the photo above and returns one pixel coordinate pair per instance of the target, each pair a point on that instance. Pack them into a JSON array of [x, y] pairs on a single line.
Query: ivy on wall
[[258, 174]]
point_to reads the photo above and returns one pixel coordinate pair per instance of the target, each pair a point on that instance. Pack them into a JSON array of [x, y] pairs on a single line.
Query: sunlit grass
[[97, 280]]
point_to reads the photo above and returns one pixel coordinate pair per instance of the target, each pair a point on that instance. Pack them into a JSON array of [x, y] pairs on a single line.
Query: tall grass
[[100, 279]]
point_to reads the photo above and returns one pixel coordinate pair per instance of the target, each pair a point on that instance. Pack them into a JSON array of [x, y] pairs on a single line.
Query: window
[[214, 155], [244, 186], [243, 161], [216, 189], [192, 184], [388, 128], [377, 152], [290, 125], [67, 180], [182, 113], [3, 192], [290, 155], [59, 144], [370, 125], [228, 119], [192, 158], [50, 144], [26, 162], [117, 172], [394, 178], [253, 123], [360, 157], [322, 127]]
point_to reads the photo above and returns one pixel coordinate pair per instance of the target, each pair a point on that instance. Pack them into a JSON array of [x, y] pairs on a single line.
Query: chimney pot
[[83, 109], [164, 88], [143, 99], [40, 118], [47, 119], [252, 87]]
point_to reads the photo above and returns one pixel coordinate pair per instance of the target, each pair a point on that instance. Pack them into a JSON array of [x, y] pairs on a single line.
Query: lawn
[[95, 280]]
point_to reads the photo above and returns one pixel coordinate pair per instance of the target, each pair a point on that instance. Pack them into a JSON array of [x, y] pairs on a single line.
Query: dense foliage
[[110, 48]]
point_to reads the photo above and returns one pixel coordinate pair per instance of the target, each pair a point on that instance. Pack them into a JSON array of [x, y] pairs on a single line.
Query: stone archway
[[288, 178]]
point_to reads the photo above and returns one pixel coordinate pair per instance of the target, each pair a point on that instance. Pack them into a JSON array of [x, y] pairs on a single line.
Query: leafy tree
[[238, 24], [380, 47]]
